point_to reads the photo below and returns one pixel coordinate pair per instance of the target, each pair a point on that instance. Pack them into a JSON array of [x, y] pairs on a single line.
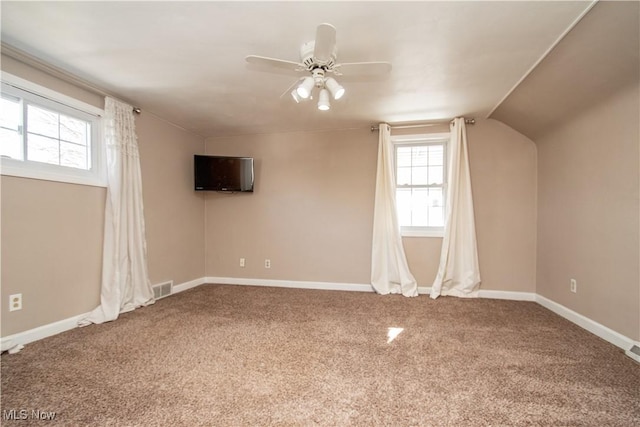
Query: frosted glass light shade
[[305, 88], [336, 90], [323, 101]]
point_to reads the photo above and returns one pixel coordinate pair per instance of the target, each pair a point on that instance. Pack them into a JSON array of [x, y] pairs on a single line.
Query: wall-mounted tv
[[222, 173]]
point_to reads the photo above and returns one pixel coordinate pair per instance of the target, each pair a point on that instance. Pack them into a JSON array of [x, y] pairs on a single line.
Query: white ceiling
[[184, 61]]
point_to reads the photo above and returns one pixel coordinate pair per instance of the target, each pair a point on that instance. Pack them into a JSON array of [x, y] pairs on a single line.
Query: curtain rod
[[471, 121]]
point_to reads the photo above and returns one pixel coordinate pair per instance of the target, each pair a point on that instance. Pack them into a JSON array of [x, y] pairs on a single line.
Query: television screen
[[220, 173]]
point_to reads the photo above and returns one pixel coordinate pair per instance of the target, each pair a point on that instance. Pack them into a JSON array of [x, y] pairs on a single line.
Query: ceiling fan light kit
[[318, 57], [334, 87], [323, 101], [305, 88]]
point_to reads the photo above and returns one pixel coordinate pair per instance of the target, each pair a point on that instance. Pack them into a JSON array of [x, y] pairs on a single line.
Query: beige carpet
[[250, 356]]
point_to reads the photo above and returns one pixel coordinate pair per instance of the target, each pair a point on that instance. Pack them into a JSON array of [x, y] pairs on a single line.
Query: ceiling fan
[[318, 60]]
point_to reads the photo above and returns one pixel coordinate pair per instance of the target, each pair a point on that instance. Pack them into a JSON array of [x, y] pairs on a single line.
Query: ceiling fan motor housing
[[318, 76]]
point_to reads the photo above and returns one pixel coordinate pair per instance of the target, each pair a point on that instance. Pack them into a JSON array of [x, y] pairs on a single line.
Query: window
[[46, 135], [420, 166]]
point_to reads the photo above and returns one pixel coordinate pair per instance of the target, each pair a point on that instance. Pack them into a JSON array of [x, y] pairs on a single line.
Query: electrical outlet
[[267, 263], [241, 262], [573, 285], [15, 302]]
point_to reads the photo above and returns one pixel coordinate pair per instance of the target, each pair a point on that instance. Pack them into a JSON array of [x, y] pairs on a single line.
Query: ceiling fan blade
[[325, 42], [273, 62], [362, 68]]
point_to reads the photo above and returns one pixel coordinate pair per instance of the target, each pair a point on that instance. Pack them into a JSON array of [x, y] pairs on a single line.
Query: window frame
[[33, 94], [418, 140]]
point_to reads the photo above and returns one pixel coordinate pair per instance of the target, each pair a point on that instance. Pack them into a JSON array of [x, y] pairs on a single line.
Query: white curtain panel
[[125, 276], [389, 270], [459, 272]]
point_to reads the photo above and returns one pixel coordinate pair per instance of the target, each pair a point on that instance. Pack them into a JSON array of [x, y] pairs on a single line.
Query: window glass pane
[[74, 130], [436, 217], [403, 176], [47, 133], [403, 202], [419, 206], [436, 197], [403, 156], [419, 175], [435, 175], [43, 149], [10, 123], [436, 207], [11, 144], [48, 137], [436, 155], [419, 156], [420, 166], [42, 122], [10, 113], [73, 155]]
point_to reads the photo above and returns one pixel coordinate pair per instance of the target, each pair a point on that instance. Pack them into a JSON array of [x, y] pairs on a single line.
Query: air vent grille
[[163, 289]]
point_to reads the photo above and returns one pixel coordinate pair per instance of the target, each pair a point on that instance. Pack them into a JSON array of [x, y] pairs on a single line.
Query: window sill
[[422, 232], [48, 173]]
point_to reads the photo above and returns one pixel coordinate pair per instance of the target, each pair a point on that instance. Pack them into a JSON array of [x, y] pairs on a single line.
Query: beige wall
[[26, 72], [312, 209], [588, 190], [503, 175], [52, 232], [51, 235], [503, 178], [310, 212], [51, 250], [174, 213]]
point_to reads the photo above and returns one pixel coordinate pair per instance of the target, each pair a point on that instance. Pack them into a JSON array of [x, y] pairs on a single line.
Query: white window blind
[[420, 166]]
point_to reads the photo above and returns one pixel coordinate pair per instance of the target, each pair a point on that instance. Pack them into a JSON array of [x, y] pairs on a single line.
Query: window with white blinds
[[420, 167]]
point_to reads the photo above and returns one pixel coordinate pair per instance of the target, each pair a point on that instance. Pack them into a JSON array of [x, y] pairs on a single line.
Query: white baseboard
[[596, 328], [358, 287], [301, 284], [331, 286], [508, 295], [424, 290], [592, 326], [188, 285], [35, 334]]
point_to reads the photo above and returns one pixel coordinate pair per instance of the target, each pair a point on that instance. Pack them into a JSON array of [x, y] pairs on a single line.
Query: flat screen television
[[222, 173]]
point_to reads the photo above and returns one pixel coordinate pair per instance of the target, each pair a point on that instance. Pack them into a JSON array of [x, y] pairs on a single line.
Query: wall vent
[[163, 289]]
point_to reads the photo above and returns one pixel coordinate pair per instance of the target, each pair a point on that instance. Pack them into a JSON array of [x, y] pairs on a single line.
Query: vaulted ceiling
[[597, 58], [184, 61]]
